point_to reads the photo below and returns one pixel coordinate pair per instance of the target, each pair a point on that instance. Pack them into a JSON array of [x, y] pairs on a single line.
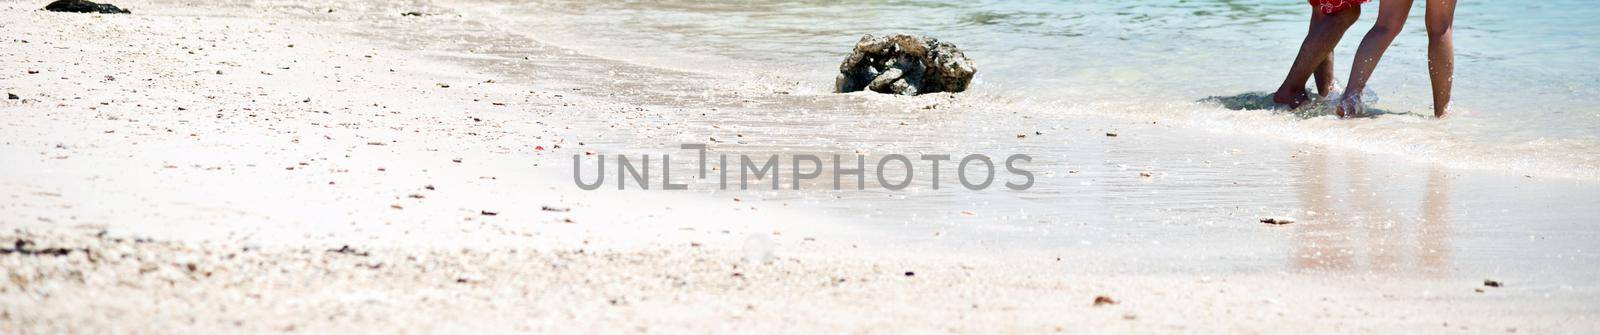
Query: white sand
[[197, 164]]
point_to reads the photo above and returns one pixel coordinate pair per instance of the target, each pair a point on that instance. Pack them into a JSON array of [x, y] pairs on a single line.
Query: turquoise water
[[1525, 86]]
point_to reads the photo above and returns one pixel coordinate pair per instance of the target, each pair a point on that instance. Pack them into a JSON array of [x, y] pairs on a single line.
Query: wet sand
[[266, 167]]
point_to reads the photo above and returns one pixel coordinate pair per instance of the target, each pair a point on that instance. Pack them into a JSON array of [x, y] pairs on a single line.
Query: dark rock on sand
[[82, 6], [25, 247], [349, 251], [904, 64], [12, 96]]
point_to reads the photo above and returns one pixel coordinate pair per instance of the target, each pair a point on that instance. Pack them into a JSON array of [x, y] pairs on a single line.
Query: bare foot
[[1293, 99], [1349, 106]]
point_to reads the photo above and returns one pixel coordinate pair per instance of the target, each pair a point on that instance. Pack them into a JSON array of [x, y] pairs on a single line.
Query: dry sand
[[260, 167]]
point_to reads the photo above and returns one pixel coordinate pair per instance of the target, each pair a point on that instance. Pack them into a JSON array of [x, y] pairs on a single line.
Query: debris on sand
[[904, 64], [25, 247], [82, 6], [555, 209], [1277, 221], [1111, 134], [1101, 300], [12, 96], [1491, 283], [488, 213], [346, 249]]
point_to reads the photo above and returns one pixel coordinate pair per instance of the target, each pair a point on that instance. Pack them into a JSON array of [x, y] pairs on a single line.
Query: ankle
[[1287, 95]]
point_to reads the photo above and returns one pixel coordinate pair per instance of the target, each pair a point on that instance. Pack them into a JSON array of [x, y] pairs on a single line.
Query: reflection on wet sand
[[1354, 221], [1434, 234]]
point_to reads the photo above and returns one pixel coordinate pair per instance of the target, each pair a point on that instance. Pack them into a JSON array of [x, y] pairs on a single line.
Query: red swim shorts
[[1334, 6]]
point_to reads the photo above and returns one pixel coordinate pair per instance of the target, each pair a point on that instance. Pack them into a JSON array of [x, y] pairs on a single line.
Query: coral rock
[[906, 65]]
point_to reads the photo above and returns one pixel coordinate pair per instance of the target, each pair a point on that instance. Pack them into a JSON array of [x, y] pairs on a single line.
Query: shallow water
[[1505, 192], [1526, 82]]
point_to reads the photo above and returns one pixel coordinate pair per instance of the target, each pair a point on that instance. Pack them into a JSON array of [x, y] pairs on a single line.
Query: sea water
[[1512, 178], [1525, 85]]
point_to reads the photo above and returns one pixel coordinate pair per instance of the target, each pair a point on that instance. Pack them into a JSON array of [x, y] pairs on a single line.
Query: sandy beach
[[318, 167]]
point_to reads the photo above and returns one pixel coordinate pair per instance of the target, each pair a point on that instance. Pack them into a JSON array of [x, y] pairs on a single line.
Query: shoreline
[[1404, 133], [208, 166]]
